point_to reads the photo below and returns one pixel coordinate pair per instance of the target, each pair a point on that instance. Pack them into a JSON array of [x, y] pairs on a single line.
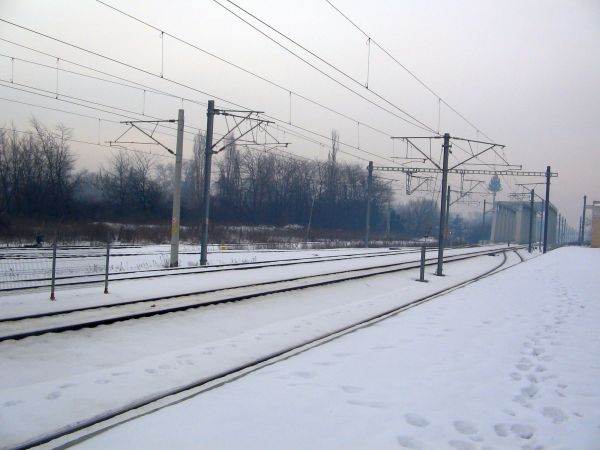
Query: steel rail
[[370, 272], [168, 271]]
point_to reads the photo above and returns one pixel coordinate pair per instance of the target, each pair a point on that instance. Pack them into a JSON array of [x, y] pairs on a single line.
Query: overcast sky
[[524, 73]]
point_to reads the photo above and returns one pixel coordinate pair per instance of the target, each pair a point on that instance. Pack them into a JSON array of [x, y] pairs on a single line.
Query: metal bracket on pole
[[248, 116]]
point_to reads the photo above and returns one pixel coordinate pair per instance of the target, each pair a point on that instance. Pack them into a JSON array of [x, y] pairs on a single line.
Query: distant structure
[[596, 224], [510, 222], [494, 187]]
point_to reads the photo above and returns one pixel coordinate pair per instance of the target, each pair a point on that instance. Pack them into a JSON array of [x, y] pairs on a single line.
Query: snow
[[67, 377], [19, 267], [121, 291], [507, 362]]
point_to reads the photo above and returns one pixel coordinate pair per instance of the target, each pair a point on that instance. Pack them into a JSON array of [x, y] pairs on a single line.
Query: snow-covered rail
[[20, 327], [83, 279]]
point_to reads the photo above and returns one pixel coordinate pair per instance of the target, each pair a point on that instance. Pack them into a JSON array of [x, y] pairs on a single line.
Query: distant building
[[596, 224], [510, 222]]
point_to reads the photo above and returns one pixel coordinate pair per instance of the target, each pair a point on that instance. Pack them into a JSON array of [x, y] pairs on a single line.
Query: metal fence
[[29, 268]]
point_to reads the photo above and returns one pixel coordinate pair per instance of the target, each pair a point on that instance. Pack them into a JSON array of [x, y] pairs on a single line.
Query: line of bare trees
[[38, 180]]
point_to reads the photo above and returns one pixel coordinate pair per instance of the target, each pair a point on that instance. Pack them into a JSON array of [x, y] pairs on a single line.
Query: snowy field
[[508, 362], [66, 377]]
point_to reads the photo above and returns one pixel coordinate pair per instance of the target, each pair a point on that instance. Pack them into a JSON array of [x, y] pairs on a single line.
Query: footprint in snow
[[522, 430], [370, 404], [409, 442], [303, 374], [415, 420], [465, 427], [516, 376], [462, 445], [501, 429], [352, 389], [537, 351], [555, 414], [53, 395], [532, 378], [521, 401], [68, 385], [11, 403], [102, 381]]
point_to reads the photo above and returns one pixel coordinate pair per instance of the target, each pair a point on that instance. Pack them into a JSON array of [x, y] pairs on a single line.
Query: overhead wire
[[420, 124], [410, 72], [175, 82]]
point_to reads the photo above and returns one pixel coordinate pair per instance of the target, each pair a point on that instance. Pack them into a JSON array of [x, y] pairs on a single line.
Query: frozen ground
[[508, 362], [54, 380]]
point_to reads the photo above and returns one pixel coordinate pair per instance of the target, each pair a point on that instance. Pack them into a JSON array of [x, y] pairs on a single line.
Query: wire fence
[[32, 268]]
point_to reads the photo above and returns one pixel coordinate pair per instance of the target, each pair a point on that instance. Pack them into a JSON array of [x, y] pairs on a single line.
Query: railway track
[[78, 432], [75, 319], [90, 279]]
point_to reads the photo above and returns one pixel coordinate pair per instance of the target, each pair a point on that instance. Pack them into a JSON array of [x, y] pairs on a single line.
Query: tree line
[[38, 180]]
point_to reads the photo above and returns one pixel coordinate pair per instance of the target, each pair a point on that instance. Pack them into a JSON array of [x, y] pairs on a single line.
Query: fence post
[[106, 266], [52, 297], [422, 269]]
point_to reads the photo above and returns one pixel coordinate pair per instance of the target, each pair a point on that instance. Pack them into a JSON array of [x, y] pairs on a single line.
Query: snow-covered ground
[[18, 266], [25, 303], [55, 380], [508, 362]]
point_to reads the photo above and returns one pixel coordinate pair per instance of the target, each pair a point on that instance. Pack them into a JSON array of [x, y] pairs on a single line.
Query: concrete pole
[[369, 188], [177, 193], [446, 150], [582, 238], [208, 152], [531, 217], [546, 206]]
